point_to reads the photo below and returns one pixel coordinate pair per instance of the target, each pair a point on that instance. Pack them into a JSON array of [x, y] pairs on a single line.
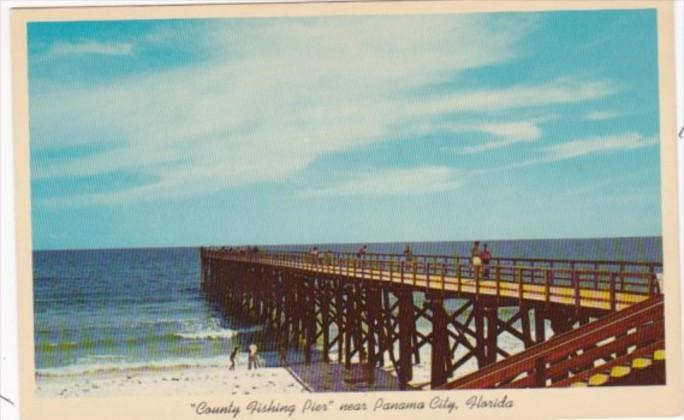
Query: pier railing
[[576, 355], [609, 285]]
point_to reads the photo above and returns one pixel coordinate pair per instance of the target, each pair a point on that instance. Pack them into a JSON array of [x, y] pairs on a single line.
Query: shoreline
[[169, 382]]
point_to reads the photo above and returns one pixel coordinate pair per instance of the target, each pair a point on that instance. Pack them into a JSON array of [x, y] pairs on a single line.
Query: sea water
[[101, 310]]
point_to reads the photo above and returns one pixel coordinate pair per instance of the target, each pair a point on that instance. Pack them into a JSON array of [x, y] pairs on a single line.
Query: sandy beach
[[169, 382], [215, 377]]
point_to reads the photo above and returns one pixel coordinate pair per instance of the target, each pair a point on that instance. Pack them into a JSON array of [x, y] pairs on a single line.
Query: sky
[[344, 129]]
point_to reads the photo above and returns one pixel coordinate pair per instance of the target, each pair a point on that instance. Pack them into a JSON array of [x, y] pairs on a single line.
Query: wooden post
[[498, 283], [539, 373], [279, 307], [440, 344], [406, 331], [526, 329], [325, 318], [339, 308], [348, 326], [651, 284], [373, 302], [286, 310], [547, 287], [296, 311], [539, 325], [492, 313], [576, 284], [480, 344], [458, 277], [356, 309], [443, 275], [309, 321], [401, 273], [613, 299], [521, 288]]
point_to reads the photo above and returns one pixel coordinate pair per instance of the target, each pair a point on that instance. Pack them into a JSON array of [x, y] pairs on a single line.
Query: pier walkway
[[603, 285], [366, 309]]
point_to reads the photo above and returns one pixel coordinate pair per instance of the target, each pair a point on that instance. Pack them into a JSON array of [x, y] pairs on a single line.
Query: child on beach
[[232, 357]]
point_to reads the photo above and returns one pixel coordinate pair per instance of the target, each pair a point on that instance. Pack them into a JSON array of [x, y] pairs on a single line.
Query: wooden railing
[[616, 282], [566, 356], [454, 260]]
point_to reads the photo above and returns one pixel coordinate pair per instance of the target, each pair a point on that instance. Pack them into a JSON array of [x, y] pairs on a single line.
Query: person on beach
[[327, 256], [252, 359], [233, 354], [475, 259], [486, 257], [282, 355]]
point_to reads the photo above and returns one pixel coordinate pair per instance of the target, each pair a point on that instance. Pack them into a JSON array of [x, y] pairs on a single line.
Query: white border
[[8, 307]]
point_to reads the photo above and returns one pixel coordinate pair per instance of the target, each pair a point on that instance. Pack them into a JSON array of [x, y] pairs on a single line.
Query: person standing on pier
[[475, 259], [408, 257], [327, 257], [486, 257], [361, 252], [314, 255]]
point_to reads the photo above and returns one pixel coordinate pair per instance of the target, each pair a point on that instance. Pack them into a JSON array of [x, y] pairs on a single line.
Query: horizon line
[[334, 243]]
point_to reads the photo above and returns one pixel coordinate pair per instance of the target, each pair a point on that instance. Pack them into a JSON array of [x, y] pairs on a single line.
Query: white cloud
[[520, 96], [506, 134], [270, 101], [586, 146], [601, 115], [91, 47], [413, 181], [605, 144]]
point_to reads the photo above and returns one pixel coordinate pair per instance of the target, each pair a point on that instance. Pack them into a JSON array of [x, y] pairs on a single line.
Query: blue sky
[[344, 129]]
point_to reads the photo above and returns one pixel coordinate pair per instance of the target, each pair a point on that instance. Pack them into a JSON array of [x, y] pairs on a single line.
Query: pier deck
[[596, 289]]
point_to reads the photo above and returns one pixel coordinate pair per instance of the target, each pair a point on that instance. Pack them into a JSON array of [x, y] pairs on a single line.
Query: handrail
[[639, 325], [500, 261], [616, 289]]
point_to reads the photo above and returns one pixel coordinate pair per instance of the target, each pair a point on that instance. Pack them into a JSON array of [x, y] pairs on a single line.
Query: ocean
[[120, 309]]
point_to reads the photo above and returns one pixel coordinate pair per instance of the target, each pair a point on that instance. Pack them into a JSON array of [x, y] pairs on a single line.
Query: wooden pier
[[366, 309]]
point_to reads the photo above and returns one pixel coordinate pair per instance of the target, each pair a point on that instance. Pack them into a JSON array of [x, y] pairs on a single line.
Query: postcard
[[375, 209]]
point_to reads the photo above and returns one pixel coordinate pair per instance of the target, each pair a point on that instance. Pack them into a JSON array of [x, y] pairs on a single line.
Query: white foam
[[217, 334], [109, 364]]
